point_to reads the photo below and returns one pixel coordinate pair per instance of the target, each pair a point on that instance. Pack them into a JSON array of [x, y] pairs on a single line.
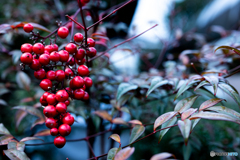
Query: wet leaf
[[162, 156], [116, 138], [137, 131], [209, 103], [164, 125], [124, 88], [3, 130], [163, 118], [14, 154], [185, 128], [45, 132], [30, 139], [185, 104], [230, 91], [124, 153], [23, 80], [104, 115]]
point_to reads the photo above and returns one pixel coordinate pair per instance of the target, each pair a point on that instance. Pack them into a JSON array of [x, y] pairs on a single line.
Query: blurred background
[[188, 31]]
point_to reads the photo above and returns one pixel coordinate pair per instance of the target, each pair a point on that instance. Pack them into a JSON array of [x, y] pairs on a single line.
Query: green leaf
[[155, 83], [183, 88], [5, 139], [23, 80], [225, 110], [163, 118], [230, 48], [124, 88], [111, 153], [230, 91], [16, 54], [125, 109], [209, 103], [201, 84], [4, 130], [215, 116], [195, 122], [124, 153], [115, 137], [185, 128], [14, 154], [30, 139], [30, 110], [213, 80], [185, 104], [164, 125], [123, 99], [188, 113], [162, 156], [137, 131]]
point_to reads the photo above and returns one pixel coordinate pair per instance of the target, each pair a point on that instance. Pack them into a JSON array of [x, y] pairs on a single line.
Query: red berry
[[71, 61], [54, 56], [45, 94], [71, 48], [50, 111], [44, 59], [83, 70], [64, 55], [68, 72], [28, 27], [43, 101], [49, 48], [62, 96], [35, 65], [38, 48], [59, 141], [78, 94], [51, 99], [60, 75], [46, 84], [68, 119], [90, 42], [84, 87], [91, 52], [61, 107], [46, 52], [54, 131], [67, 102], [88, 82], [51, 75], [55, 47], [86, 96], [27, 47], [80, 54], [84, 2], [26, 58], [40, 74], [64, 130], [63, 32], [69, 91], [51, 123], [81, 62], [78, 37], [77, 82]]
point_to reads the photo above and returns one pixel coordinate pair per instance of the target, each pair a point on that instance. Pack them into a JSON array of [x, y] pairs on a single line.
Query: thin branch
[[115, 46], [91, 149], [114, 11], [75, 22]]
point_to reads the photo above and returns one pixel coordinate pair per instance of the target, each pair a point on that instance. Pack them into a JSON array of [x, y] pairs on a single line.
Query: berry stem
[[75, 22]]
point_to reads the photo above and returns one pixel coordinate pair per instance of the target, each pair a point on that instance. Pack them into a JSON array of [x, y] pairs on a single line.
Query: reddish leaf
[[5, 139], [115, 137], [209, 103], [119, 121], [124, 153], [38, 121], [185, 104], [30, 110], [185, 128], [163, 118], [45, 132], [104, 115], [188, 113], [30, 139], [135, 122], [19, 117], [162, 156]]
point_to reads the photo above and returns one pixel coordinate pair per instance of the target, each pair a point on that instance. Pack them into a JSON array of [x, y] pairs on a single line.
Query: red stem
[[75, 22]]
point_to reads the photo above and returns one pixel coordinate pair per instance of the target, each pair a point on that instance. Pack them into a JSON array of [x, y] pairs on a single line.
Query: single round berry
[[27, 47], [62, 95], [91, 52], [80, 54], [60, 75], [38, 48], [46, 52], [71, 48], [88, 82], [68, 119], [28, 28], [64, 55], [63, 32], [55, 47], [43, 101], [46, 84], [50, 111], [54, 131], [51, 99], [78, 37], [44, 59], [35, 65], [67, 102], [45, 95], [40, 74], [51, 123], [51, 75], [64, 130], [77, 82], [61, 107], [68, 72], [78, 94], [59, 141], [48, 48], [86, 96], [83, 70], [54, 56], [81, 62], [90, 42], [26, 58]]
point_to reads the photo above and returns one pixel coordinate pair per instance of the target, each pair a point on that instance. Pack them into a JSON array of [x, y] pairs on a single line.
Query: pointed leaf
[[115, 137], [230, 91], [201, 84], [124, 153], [16, 145], [119, 121], [5, 139], [155, 83], [125, 109], [38, 121], [230, 48], [214, 116], [135, 122], [185, 128], [209, 103], [3, 130], [185, 104], [225, 110], [45, 132], [183, 88], [123, 99], [162, 156], [30, 139], [14, 154], [195, 122], [104, 115], [188, 113], [213, 80], [137, 131], [23, 80], [124, 88], [20, 146], [30, 110], [163, 118], [19, 117], [167, 124], [40, 27], [111, 153]]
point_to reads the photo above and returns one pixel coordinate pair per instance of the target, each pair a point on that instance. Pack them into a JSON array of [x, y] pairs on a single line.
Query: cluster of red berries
[[53, 65]]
